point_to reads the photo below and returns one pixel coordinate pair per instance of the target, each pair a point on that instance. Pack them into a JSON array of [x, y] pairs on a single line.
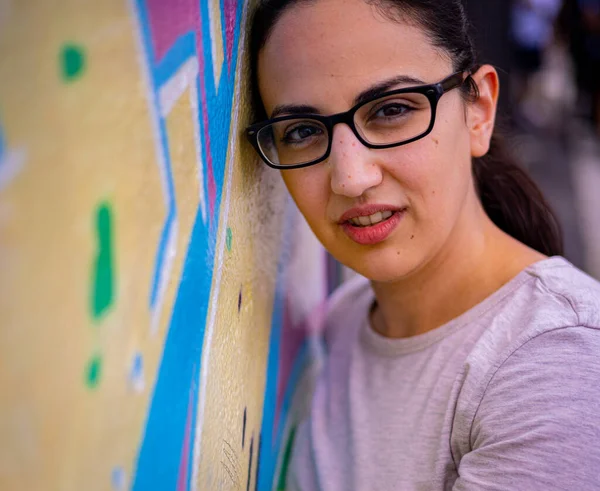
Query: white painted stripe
[[165, 267], [11, 166], [216, 36], [165, 274], [154, 116], [194, 102], [173, 89], [210, 326]]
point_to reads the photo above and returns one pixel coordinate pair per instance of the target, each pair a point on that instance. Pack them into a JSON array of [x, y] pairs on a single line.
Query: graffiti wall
[[160, 298]]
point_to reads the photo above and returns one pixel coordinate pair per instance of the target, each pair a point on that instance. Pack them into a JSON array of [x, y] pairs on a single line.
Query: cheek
[[434, 173], [448, 182], [308, 188], [419, 168]]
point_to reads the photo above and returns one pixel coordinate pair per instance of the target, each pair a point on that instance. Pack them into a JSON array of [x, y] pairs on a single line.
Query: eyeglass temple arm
[[454, 81]]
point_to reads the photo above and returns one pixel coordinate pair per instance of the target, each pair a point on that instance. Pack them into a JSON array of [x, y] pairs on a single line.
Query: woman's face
[[324, 54]]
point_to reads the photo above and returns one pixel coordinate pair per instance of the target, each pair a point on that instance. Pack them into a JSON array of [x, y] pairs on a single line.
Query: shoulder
[[556, 294], [558, 278], [545, 334], [553, 295], [560, 361], [536, 420], [558, 330], [560, 364], [525, 416]]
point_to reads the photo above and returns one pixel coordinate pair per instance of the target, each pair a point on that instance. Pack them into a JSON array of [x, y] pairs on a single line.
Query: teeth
[[374, 219]]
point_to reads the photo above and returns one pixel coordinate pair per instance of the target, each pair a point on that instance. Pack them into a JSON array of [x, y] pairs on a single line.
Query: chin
[[382, 266]]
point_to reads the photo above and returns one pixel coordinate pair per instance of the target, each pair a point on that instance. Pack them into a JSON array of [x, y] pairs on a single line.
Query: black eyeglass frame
[[433, 92]]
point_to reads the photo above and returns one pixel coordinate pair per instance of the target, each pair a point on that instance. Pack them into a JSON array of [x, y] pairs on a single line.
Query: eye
[[301, 132], [392, 110]]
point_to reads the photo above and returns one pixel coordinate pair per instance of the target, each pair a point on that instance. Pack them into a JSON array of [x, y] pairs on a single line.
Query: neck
[[475, 263]]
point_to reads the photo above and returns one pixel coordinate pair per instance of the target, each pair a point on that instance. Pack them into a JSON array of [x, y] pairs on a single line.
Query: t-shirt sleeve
[[538, 423]]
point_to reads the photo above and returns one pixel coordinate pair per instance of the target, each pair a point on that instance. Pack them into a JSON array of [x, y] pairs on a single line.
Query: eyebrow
[[293, 109], [365, 95], [385, 86]]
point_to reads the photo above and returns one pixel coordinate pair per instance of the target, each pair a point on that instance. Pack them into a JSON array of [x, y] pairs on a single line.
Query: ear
[[481, 114]]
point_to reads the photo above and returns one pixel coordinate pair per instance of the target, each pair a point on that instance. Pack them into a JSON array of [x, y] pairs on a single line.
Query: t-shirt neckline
[[385, 346]]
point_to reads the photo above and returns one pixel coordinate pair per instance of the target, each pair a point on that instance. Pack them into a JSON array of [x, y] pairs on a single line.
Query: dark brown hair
[[508, 195]]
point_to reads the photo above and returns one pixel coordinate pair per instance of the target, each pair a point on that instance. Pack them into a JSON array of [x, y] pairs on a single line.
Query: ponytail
[[514, 202]]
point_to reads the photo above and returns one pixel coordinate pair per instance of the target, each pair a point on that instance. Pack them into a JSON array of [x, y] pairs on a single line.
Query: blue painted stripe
[[160, 450], [268, 452], [220, 102], [182, 50], [152, 467], [222, 129]]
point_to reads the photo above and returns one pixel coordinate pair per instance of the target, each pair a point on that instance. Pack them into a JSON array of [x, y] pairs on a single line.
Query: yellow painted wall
[[154, 277]]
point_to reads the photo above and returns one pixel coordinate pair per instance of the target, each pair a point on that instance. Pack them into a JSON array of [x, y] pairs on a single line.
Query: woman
[[470, 358]]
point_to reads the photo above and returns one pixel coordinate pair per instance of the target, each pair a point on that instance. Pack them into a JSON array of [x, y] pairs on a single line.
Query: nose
[[353, 168]]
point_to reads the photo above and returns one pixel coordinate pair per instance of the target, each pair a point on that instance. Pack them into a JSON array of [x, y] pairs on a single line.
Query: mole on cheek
[[436, 141], [412, 237]]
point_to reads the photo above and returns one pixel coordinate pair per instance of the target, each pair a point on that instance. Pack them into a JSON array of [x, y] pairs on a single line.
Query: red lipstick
[[371, 234]]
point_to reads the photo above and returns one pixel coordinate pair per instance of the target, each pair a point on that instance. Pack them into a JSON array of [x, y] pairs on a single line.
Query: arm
[[538, 423]]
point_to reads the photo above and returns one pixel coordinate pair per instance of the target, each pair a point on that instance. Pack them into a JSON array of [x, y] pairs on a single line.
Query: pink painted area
[[230, 9], [169, 20], [212, 186], [182, 477], [292, 337]]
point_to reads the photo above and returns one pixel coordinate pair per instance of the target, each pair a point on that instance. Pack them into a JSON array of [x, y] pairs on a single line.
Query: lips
[[367, 211], [373, 219], [370, 225]]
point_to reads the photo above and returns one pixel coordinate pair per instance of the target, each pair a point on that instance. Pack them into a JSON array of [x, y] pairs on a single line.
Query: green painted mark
[[93, 372], [103, 270], [72, 61], [281, 486], [229, 239]]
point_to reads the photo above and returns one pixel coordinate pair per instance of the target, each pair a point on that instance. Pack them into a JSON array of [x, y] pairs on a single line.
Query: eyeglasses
[[388, 120]]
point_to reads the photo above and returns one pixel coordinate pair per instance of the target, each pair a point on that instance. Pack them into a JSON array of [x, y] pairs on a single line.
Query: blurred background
[[548, 55]]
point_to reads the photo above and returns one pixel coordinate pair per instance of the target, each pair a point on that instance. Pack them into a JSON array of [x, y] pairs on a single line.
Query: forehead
[[337, 48]]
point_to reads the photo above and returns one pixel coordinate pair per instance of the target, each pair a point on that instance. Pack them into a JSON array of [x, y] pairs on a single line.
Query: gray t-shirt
[[504, 397]]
